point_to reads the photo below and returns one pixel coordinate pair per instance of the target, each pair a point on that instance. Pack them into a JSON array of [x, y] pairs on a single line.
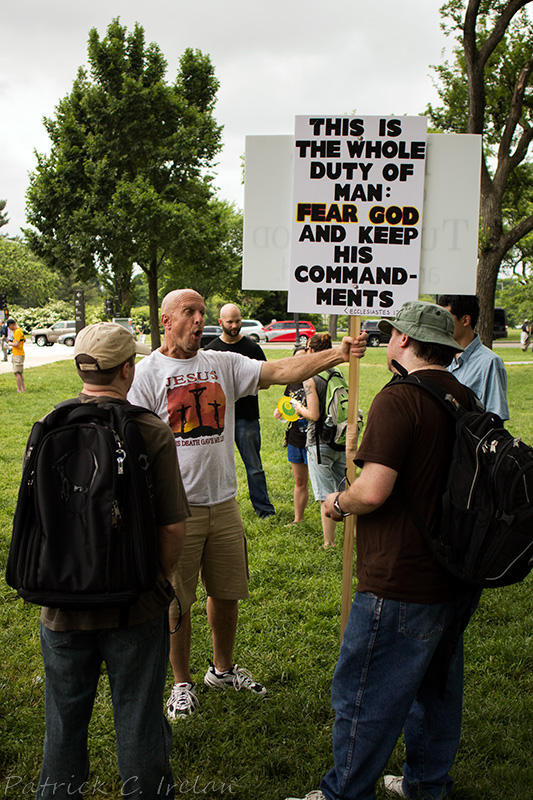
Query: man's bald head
[[178, 297], [230, 309], [230, 321], [182, 316]]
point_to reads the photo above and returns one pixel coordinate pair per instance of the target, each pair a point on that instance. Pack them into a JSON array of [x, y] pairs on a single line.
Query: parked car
[[254, 329], [67, 338], [286, 331], [375, 336], [210, 332], [47, 336]]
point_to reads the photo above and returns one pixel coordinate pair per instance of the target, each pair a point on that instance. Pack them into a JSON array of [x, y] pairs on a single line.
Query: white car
[[254, 329]]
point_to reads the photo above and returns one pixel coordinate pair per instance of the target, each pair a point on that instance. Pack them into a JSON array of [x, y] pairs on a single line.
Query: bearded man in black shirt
[[247, 430]]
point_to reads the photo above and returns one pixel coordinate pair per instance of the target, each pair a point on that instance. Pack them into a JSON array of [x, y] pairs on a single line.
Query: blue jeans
[[136, 659], [248, 441], [385, 681]]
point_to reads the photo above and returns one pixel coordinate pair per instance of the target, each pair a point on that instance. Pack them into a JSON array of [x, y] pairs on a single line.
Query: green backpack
[[332, 427]]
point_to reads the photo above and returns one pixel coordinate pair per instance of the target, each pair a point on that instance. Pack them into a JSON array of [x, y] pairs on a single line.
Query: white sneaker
[[182, 701], [394, 785], [316, 794], [235, 678]]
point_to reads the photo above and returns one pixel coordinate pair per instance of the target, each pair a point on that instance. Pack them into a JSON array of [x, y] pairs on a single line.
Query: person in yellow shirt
[[17, 356]]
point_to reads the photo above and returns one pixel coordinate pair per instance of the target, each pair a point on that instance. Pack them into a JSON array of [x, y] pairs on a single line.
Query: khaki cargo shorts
[[18, 363], [215, 551]]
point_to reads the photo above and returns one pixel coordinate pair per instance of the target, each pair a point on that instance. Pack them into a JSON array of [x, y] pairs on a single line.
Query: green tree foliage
[[264, 306], [211, 261], [487, 89], [516, 296], [55, 310], [42, 317], [23, 276], [4, 219], [126, 180], [518, 261]]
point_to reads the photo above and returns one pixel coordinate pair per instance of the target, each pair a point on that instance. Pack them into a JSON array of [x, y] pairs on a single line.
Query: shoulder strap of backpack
[[100, 409], [325, 375], [401, 378], [131, 409], [77, 411], [75, 401], [447, 400]]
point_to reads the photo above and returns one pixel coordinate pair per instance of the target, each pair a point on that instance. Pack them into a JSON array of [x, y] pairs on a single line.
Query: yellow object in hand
[[286, 409]]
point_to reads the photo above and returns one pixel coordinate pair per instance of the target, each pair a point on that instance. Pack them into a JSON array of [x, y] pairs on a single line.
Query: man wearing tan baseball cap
[[104, 346], [75, 643]]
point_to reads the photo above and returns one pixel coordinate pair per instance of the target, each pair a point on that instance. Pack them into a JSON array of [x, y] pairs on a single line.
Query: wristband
[[338, 509]]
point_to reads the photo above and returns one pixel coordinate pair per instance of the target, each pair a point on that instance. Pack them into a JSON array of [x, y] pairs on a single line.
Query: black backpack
[[84, 531], [485, 532]]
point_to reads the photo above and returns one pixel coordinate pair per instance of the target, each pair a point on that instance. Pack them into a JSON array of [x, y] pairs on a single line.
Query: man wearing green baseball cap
[[401, 662], [424, 322]]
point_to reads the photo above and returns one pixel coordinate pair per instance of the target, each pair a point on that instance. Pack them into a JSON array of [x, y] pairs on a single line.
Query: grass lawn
[[288, 637]]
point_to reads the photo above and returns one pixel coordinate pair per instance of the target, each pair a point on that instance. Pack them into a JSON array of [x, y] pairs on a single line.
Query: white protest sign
[[450, 216], [450, 228], [358, 194], [268, 168]]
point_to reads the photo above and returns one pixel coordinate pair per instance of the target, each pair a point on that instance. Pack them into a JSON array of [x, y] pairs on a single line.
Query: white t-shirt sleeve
[[146, 389], [247, 372]]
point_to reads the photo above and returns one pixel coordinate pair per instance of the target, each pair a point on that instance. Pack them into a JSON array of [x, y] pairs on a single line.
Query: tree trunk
[[151, 274], [125, 300], [492, 249], [487, 274], [332, 325]]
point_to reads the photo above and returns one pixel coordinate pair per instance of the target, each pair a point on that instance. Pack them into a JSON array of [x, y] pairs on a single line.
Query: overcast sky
[[274, 60]]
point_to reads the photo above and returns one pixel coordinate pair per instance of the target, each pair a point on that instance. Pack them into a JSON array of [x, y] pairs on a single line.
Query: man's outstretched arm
[[298, 370]]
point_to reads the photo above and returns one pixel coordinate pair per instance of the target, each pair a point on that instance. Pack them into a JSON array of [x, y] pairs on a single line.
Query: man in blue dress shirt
[[477, 366]]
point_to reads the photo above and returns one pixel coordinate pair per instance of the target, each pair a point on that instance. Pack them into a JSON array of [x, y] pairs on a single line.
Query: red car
[[286, 331]]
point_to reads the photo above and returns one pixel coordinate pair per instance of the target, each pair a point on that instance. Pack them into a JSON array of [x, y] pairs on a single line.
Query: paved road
[[36, 356]]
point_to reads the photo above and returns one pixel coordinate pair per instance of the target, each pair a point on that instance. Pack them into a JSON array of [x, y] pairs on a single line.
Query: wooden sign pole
[[350, 523]]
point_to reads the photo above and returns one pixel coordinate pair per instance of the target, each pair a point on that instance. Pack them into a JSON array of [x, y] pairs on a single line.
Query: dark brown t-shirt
[[409, 431]]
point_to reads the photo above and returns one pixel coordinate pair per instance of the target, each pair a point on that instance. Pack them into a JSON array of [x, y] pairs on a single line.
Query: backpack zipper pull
[[121, 455], [116, 516]]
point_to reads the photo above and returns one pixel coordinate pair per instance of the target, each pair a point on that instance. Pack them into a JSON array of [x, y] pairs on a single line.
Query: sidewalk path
[[36, 356]]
